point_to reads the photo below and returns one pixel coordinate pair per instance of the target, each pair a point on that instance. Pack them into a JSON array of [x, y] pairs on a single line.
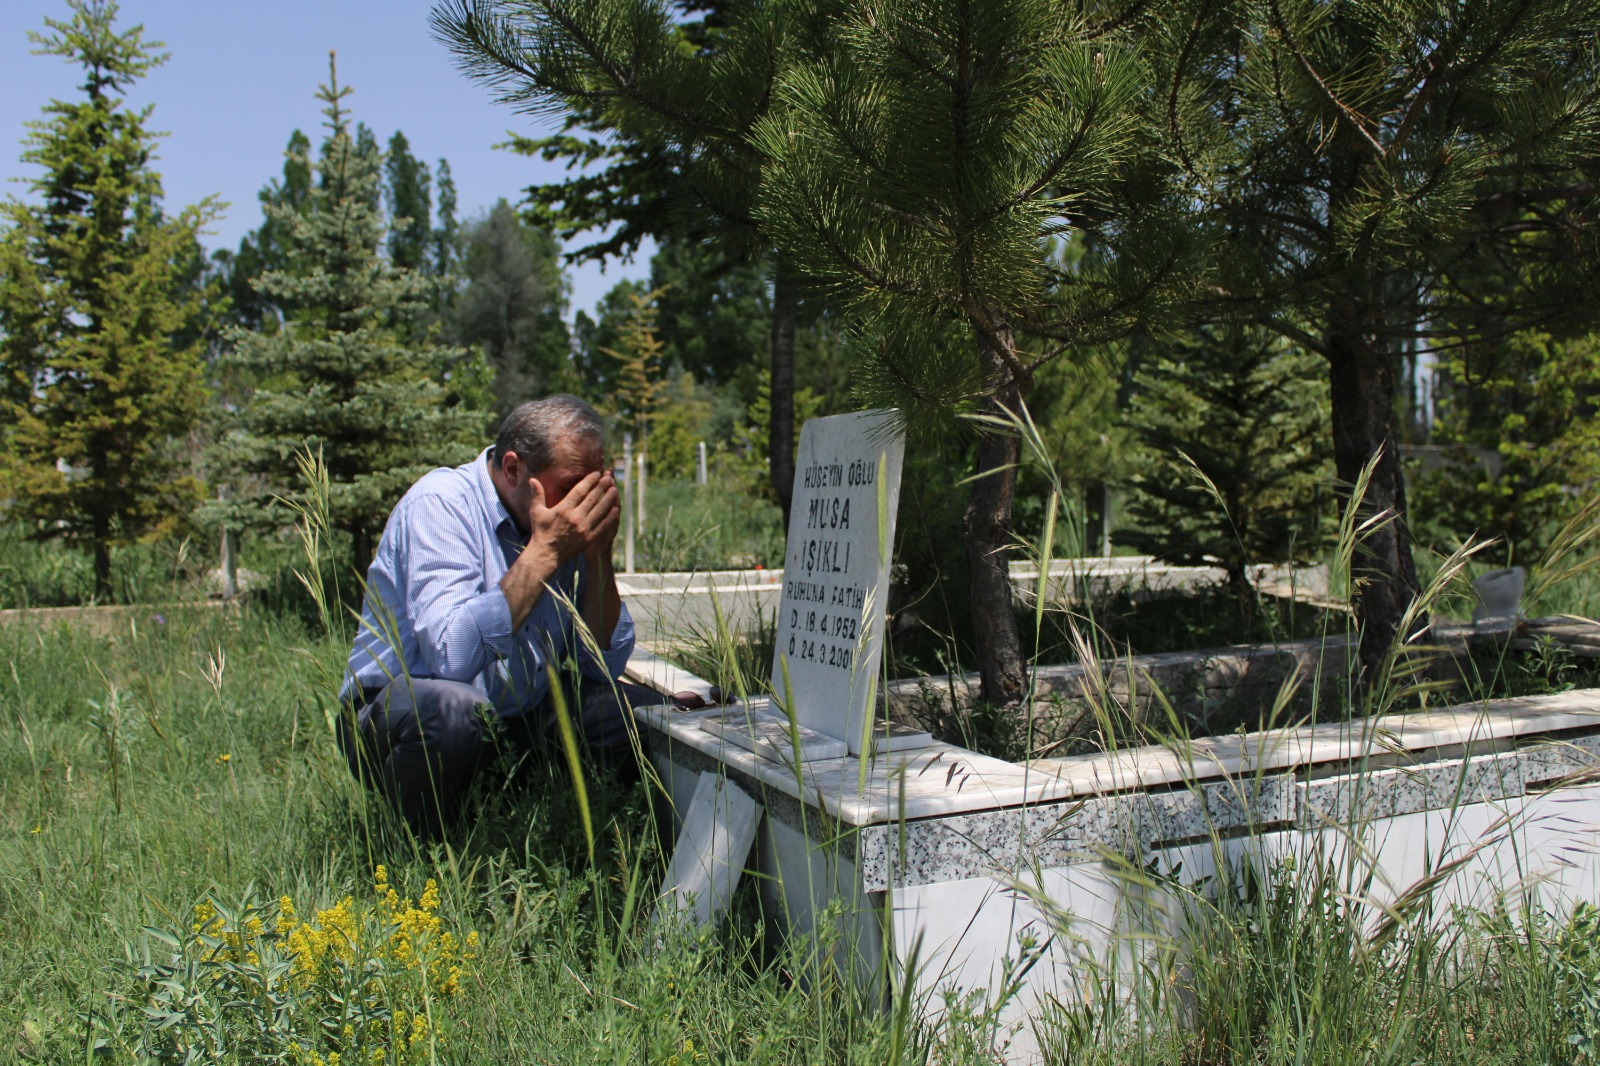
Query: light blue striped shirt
[[434, 606]]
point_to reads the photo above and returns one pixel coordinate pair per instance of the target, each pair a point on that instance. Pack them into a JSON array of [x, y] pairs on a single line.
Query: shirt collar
[[493, 505]]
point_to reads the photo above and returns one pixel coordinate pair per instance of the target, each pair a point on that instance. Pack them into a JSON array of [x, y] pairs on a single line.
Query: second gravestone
[[835, 586]]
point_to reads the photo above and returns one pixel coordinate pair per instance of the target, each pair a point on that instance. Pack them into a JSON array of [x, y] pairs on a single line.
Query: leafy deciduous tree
[[509, 302]]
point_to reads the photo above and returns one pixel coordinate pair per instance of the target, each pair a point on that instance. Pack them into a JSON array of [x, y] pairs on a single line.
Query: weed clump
[[357, 983]]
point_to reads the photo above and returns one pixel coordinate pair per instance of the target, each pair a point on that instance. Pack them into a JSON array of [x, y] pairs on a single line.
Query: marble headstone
[[836, 572], [835, 584]]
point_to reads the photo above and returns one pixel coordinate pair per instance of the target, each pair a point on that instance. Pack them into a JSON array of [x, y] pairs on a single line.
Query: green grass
[[35, 573], [707, 527], [136, 779], [118, 811], [146, 771], [48, 574]]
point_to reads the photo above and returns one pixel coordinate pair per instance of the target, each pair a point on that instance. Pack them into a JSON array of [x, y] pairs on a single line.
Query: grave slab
[[719, 825], [947, 869]]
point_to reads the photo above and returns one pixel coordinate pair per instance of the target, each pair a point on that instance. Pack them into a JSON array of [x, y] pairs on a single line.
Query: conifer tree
[[1233, 461], [409, 191], [638, 376], [266, 247], [444, 234], [923, 169], [345, 373], [1387, 176], [99, 330]]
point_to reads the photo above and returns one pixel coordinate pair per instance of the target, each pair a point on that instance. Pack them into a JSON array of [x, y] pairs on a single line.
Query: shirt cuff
[[490, 615], [615, 658]]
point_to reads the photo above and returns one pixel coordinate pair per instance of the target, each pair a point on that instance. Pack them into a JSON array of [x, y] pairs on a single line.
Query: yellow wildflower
[[286, 916]]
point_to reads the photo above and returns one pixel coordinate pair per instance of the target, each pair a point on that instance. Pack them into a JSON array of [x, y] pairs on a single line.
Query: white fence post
[[1105, 520], [639, 499], [628, 491], [230, 551]]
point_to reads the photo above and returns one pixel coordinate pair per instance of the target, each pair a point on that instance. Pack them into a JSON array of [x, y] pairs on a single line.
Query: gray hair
[[533, 429]]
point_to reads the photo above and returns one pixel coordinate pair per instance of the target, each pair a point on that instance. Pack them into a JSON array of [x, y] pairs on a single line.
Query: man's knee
[[451, 717], [607, 719], [417, 722]]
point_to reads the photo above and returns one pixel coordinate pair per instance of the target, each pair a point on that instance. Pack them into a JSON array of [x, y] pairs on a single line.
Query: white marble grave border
[[947, 814]]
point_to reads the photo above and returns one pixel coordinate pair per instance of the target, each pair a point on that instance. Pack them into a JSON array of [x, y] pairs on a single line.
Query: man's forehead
[[584, 451]]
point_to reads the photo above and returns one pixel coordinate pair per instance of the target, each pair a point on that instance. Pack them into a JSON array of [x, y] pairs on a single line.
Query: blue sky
[[241, 77]]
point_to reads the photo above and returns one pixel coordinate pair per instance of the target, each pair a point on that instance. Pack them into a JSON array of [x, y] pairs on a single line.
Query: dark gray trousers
[[421, 741]]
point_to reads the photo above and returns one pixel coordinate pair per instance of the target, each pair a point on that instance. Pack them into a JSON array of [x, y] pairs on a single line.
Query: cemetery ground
[[187, 868]]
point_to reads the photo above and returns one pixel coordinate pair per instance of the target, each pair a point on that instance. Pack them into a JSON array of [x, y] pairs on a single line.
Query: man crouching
[[471, 598]]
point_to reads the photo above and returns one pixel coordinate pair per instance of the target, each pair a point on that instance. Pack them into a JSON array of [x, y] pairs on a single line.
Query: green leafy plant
[[252, 982]]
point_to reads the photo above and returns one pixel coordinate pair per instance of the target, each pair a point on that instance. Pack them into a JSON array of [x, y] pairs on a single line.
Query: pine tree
[[922, 169], [343, 375], [1232, 464], [670, 101], [1385, 174], [99, 329]]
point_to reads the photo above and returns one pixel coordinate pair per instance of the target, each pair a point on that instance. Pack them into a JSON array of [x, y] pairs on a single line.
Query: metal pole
[[627, 509], [700, 463]]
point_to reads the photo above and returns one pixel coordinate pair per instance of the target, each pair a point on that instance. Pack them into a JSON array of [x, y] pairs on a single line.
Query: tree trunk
[[361, 548], [781, 430], [988, 531], [102, 557], [1363, 379]]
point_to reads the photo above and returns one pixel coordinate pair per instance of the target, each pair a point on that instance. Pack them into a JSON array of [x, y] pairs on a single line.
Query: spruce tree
[[344, 374], [1232, 465], [99, 327]]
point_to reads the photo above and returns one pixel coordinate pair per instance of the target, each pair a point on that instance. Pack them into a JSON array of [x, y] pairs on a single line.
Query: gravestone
[[835, 586]]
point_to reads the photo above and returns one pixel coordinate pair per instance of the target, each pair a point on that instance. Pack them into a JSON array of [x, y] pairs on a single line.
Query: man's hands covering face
[[585, 520]]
